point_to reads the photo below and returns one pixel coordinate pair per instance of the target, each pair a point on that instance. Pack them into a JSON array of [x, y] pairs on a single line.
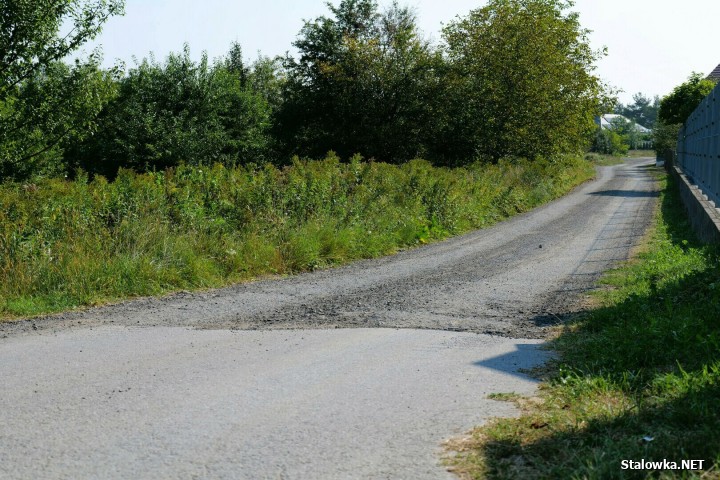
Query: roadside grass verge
[[638, 375], [66, 244], [641, 153], [604, 160]]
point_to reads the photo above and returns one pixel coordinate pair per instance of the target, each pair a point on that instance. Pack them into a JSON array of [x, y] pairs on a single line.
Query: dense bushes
[[57, 106], [609, 142], [513, 78], [675, 108], [44, 102], [365, 82], [521, 81], [64, 244], [179, 112]]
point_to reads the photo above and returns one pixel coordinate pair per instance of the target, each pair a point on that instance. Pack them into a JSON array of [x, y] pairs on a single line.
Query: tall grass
[[65, 244]]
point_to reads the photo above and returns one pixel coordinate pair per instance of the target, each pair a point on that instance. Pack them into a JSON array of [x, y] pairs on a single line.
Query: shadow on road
[[653, 359], [524, 357], [626, 193]]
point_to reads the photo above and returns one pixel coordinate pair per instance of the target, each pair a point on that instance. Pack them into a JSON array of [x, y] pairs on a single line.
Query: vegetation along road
[[264, 380]]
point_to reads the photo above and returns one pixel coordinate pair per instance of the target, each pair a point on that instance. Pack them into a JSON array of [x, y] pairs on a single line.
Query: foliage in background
[[609, 142], [69, 243], [182, 111], [643, 110], [513, 79], [630, 132], [365, 81], [43, 102], [521, 81], [625, 131], [54, 109], [638, 377], [665, 139], [675, 109]]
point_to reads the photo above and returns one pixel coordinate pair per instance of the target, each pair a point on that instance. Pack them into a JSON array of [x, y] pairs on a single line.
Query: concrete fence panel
[[698, 152], [698, 167]]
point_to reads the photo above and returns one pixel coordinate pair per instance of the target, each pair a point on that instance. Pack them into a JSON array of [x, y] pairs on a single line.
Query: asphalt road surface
[[356, 372]]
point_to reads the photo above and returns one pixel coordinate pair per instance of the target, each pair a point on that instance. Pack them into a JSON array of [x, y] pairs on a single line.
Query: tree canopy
[[683, 100], [523, 80], [363, 83], [512, 79], [180, 111], [30, 36], [642, 110], [43, 101], [676, 107]]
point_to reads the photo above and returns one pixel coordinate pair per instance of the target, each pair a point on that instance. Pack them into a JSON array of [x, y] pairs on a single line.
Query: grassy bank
[[65, 244], [638, 376], [609, 160], [641, 153]]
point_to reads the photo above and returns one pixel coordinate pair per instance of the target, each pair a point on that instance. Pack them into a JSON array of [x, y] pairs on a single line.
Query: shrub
[[69, 243]]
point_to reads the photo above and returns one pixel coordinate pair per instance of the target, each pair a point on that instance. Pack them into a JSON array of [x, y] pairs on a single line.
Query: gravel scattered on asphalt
[[514, 279]]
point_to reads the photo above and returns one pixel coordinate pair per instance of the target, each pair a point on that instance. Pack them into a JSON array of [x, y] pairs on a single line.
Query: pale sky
[[653, 45]]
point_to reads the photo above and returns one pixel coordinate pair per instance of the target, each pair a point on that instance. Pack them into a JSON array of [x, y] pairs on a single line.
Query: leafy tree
[[30, 33], [43, 102], [665, 139], [55, 107], [628, 131], [609, 142], [177, 112], [363, 83], [643, 110], [234, 63], [677, 106], [266, 77], [522, 82]]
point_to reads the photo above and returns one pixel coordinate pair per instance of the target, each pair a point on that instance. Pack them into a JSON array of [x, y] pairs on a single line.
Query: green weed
[[638, 376], [65, 244]]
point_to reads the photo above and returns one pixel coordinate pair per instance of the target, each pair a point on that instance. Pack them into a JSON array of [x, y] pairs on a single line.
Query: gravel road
[[355, 372]]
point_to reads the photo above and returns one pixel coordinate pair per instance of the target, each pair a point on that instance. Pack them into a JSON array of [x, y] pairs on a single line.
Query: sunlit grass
[[638, 375], [65, 244]]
